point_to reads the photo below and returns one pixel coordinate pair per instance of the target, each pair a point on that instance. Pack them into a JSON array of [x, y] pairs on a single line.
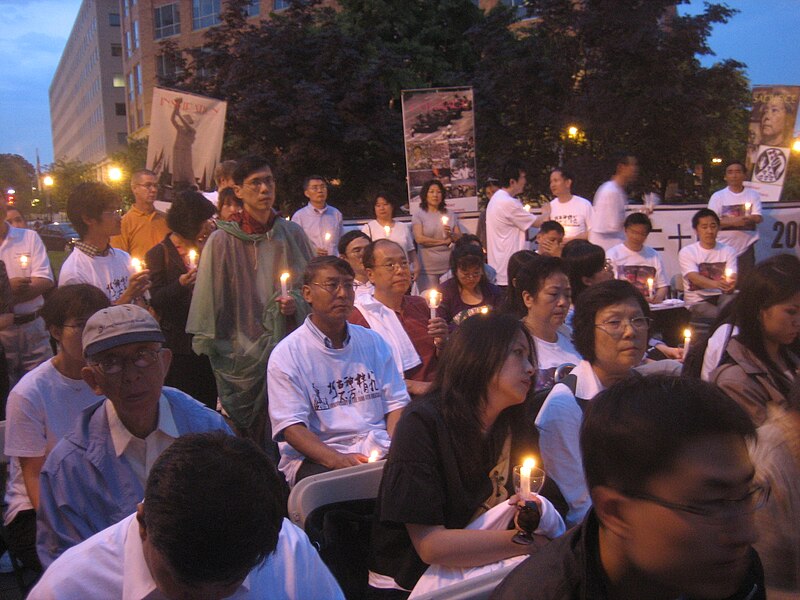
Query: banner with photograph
[[769, 139], [185, 137], [439, 135]]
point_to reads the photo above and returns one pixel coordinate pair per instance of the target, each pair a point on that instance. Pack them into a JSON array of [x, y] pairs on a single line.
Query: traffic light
[[10, 197]]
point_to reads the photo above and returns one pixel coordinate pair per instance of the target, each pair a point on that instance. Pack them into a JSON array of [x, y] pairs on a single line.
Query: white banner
[[186, 133]]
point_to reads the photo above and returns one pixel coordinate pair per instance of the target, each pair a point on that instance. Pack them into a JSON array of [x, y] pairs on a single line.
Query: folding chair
[[476, 588]]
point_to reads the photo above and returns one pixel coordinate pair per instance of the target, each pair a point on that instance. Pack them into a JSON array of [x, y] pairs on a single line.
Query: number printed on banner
[[785, 234]]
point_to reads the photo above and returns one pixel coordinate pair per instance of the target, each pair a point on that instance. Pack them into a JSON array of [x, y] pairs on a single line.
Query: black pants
[[22, 539], [192, 374], [309, 468]]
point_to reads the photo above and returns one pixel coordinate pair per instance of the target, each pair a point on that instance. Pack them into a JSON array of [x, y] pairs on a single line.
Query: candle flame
[[387, 230], [529, 463], [373, 456], [327, 237], [484, 310], [528, 207], [136, 264], [433, 298], [285, 277], [728, 273], [23, 260], [445, 220], [649, 281], [192, 255], [687, 333]]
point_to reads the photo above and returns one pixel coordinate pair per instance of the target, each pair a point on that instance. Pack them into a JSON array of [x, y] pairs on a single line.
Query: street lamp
[[114, 174], [796, 146], [716, 161], [48, 182], [572, 132]]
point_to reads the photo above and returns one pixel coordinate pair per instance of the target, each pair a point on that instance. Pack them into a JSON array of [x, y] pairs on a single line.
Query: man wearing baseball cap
[[95, 475]]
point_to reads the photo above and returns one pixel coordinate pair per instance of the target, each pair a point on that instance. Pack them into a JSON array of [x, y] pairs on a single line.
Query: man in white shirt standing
[[739, 211], [610, 201], [26, 341], [321, 222], [335, 394], [507, 221], [572, 212]]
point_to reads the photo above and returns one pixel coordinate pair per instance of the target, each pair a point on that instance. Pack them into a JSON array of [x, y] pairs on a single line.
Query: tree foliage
[[317, 90], [66, 176], [18, 174]]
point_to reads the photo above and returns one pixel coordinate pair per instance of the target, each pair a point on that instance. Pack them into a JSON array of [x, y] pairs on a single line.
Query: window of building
[[205, 13], [252, 9], [135, 34], [116, 49], [119, 80], [122, 138], [113, 19], [131, 88], [139, 83], [165, 66], [280, 4], [119, 108], [128, 44], [167, 20]]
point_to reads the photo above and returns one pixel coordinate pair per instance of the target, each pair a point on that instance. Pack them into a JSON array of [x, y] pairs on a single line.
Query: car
[[58, 236]]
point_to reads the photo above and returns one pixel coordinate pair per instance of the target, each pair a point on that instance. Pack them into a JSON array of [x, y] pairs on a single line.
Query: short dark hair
[[532, 275], [623, 158], [594, 299], [564, 174], [188, 212], [549, 226], [637, 218], [348, 237], [214, 507], [228, 196], [386, 196], [730, 163], [465, 256], [368, 258], [136, 175], [423, 195], [468, 239], [636, 429], [316, 264], [74, 301], [224, 170], [703, 212], [88, 200], [311, 178], [512, 169], [247, 166], [582, 259]]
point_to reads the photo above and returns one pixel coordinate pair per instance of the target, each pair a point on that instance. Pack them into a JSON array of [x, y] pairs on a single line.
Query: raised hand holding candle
[[284, 282], [192, 259], [445, 220], [650, 286], [687, 338], [434, 299], [136, 264]]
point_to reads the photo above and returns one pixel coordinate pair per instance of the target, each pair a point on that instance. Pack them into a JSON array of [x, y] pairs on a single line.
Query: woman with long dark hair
[[758, 367], [435, 228], [469, 290], [451, 459]]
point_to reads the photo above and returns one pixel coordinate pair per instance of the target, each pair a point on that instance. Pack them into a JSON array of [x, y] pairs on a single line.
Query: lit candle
[[484, 310], [527, 207], [445, 220], [525, 478], [747, 207], [24, 262], [728, 275], [136, 264], [650, 287], [434, 298], [687, 338], [284, 281], [192, 259], [373, 456], [327, 241], [387, 230]]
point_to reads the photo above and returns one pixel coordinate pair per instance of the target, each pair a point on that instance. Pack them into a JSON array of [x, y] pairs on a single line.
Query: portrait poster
[[439, 139], [770, 132], [186, 133]]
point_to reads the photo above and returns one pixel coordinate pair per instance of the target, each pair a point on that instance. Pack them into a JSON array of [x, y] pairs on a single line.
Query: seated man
[[197, 536], [351, 248], [403, 321], [95, 475], [334, 392], [672, 485], [550, 239], [639, 264]]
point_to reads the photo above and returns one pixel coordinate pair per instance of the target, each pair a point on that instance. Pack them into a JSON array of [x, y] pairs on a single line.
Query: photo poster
[[186, 133], [439, 138], [769, 138]]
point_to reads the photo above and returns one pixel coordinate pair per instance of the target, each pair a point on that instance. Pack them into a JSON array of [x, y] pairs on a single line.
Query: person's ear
[[140, 521], [90, 377], [527, 299], [56, 332], [307, 294], [612, 508], [587, 281]]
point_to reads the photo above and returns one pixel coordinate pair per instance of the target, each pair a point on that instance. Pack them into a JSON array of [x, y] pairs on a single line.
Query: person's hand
[[727, 285], [550, 247], [322, 252], [188, 279], [670, 352], [343, 461], [288, 306], [20, 285], [437, 327], [139, 283], [448, 231]]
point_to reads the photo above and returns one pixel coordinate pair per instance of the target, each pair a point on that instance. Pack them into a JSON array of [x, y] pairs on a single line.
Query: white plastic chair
[[476, 588]]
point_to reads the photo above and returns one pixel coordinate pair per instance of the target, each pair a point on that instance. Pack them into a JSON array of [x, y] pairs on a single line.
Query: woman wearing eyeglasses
[[469, 291], [610, 329]]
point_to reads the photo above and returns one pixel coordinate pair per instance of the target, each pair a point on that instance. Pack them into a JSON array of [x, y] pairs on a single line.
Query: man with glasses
[[674, 498], [321, 221], [335, 393], [94, 210], [95, 475], [238, 312], [142, 226], [403, 321]]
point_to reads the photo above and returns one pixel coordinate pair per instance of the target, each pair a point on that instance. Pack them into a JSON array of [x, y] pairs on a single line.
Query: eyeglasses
[[395, 266], [318, 188], [334, 286], [257, 183], [118, 212], [149, 186], [112, 365], [471, 274], [753, 500], [616, 327]]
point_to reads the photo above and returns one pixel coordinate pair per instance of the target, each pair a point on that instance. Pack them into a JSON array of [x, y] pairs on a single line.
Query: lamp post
[[114, 174], [48, 182]]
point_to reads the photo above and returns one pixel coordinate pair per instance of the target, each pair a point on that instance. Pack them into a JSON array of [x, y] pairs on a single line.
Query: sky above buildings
[[763, 36]]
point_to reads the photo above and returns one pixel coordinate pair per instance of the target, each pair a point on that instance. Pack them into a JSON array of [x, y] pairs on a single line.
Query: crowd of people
[[190, 368]]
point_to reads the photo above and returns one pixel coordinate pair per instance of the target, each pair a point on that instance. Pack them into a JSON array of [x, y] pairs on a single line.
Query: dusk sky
[[764, 35]]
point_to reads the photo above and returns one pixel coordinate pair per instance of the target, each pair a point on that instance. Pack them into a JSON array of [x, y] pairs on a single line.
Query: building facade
[[87, 93]]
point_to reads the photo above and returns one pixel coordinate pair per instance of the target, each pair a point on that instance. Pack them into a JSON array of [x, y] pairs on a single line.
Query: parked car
[[58, 236]]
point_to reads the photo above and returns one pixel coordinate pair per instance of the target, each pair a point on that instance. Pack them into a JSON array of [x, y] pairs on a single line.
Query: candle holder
[[528, 482]]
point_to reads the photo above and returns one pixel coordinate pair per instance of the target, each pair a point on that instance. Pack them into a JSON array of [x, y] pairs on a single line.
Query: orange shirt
[[140, 232]]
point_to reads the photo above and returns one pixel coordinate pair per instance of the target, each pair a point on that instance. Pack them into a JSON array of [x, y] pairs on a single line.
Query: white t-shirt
[[342, 395], [24, 241], [638, 267], [507, 222], [550, 356], [42, 408], [575, 215], [400, 232], [727, 203], [109, 273], [708, 263], [111, 564], [609, 215]]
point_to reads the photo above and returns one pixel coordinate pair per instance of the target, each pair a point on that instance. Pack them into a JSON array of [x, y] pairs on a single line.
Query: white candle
[[728, 275], [687, 338], [192, 259], [434, 298], [747, 207], [650, 287], [387, 230], [24, 261], [527, 207], [525, 478], [373, 456], [328, 242], [284, 281], [136, 264]]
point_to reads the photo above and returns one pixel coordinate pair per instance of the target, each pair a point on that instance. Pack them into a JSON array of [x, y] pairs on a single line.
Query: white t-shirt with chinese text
[[575, 215]]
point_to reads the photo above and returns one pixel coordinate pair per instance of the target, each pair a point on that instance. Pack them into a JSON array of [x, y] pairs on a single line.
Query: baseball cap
[[118, 325]]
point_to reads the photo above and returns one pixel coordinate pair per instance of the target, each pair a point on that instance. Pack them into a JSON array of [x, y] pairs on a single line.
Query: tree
[[18, 174], [66, 176]]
